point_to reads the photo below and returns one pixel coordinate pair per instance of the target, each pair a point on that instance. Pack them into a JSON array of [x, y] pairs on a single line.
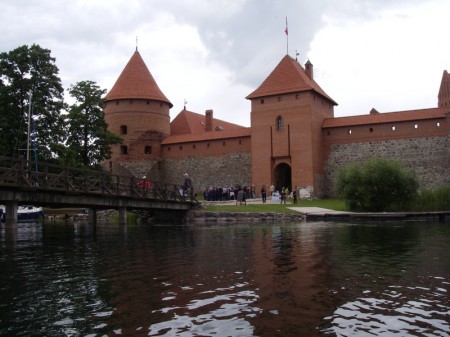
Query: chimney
[[309, 70], [209, 119]]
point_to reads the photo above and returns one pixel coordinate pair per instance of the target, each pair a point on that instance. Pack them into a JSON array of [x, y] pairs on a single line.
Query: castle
[[294, 139]]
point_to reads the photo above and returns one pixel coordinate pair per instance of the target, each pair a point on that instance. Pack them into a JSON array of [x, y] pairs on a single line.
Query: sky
[[384, 54]]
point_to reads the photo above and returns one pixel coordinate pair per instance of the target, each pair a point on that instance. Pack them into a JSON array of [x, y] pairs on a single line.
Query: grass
[[334, 204]]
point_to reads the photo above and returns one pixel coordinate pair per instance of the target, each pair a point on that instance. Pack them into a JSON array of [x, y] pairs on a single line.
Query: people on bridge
[[187, 186], [145, 184]]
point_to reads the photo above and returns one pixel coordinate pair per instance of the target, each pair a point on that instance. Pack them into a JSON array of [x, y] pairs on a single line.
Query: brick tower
[[287, 112], [138, 111]]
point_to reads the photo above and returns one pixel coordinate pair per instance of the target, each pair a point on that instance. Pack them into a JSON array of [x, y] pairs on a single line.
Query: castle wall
[[228, 170], [429, 157]]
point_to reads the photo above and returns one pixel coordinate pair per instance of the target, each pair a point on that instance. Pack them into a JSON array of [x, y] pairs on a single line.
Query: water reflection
[[306, 279]]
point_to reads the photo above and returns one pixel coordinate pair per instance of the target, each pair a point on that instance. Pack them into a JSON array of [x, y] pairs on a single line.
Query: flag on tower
[[286, 30]]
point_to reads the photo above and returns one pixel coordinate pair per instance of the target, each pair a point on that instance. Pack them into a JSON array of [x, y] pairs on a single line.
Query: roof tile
[[288, 76], [388, 117], [136, 82]]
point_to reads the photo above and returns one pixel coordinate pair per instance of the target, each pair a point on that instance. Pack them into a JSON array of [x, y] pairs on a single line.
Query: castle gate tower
[[287, 112], [138, 111]]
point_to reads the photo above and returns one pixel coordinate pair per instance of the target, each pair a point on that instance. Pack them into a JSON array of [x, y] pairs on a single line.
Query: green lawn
[[335, 204]]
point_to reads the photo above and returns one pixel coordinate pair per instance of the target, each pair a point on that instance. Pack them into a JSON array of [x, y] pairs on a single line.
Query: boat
[[25, 213]]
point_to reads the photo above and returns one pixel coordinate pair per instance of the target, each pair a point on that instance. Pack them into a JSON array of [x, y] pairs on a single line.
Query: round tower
[[138, 111]]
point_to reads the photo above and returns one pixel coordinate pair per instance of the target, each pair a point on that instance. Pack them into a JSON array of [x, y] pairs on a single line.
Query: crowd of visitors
[[243, 193], [228, 193]]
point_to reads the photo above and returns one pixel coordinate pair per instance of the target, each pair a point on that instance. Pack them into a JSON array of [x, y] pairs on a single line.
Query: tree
[[377, 185], [24, 70], [88, 141]]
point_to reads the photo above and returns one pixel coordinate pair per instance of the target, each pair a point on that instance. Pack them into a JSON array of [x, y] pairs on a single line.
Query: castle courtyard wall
[[429, 157]]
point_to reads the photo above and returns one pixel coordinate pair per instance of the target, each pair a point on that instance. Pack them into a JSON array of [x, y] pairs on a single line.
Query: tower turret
[[138, 111]]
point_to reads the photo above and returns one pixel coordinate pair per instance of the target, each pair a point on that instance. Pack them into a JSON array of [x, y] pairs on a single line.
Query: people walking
[[263, 194]]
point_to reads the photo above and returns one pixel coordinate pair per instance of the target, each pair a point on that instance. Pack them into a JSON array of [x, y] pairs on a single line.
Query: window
[[393, 128], [193, 146], [280, 123], [371, 129], [223, 144], [262, 101], [123, 129], [416, 126], [279, 98], [181, 147], [349, 131], [240, 141], [123, 149], [297, 96], [148, 149], [438, 124]]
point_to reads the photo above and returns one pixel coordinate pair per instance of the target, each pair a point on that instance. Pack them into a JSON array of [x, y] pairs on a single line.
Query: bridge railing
[[17, 172]]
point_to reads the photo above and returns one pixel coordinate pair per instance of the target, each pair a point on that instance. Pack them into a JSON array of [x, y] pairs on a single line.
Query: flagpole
[[287, 37]]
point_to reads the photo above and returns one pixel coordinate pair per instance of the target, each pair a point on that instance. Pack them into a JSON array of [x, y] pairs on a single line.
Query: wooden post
[[122, 215], [92, 216], [11, 213]]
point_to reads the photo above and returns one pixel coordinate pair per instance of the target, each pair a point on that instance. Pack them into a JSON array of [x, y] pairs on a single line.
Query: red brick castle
[[294, 139]]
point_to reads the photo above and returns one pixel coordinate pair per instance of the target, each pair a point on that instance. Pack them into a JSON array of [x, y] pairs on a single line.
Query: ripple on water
[[222, 312], [399, 311]]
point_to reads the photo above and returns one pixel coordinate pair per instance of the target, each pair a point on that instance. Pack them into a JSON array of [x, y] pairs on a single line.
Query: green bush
[[377, 185]]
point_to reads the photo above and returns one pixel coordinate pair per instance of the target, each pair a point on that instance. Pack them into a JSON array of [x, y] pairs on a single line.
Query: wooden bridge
[[61, 186]]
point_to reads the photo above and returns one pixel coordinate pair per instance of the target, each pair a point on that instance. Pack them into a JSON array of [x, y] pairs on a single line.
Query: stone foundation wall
[[228, 170], [429, 157]]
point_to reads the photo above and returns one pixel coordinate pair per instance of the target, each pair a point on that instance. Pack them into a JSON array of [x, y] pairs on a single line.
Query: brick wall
[[146, 123]]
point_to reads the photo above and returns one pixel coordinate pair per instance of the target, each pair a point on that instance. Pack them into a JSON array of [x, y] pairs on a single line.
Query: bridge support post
[[122, 215], [11, 213], [92, 217]]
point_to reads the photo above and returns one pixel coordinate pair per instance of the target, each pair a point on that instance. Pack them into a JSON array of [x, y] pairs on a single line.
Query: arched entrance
[[283, 176]]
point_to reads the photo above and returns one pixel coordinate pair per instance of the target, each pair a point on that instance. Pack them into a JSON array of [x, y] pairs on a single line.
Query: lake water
[[300, 279]]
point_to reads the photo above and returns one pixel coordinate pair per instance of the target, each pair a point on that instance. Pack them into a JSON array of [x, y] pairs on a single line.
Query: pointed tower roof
[[288, 76], [444, 90], [136, 82]]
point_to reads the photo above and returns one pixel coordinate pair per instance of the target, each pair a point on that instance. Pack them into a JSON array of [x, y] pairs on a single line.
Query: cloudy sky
[[383, 54]]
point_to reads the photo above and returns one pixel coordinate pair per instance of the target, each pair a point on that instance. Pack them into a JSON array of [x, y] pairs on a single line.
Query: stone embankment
[[204, 217]]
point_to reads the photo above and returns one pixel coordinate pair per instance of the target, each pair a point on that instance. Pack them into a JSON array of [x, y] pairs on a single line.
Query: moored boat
[[25, 213]]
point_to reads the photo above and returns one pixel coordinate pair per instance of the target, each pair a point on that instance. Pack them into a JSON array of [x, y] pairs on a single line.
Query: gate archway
[[283, 176]]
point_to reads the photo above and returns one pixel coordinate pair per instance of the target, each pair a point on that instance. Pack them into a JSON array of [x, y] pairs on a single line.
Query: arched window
[[123, 130], [280, 123], [123, 149]]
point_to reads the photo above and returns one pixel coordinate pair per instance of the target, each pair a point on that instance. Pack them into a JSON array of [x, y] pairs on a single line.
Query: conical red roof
[[288, 76], [136, 82]]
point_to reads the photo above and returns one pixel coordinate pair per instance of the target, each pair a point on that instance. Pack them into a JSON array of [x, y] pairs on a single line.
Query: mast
[[29, 126]]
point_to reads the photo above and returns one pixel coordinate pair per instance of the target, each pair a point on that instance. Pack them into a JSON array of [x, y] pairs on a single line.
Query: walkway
[[323, 214]]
